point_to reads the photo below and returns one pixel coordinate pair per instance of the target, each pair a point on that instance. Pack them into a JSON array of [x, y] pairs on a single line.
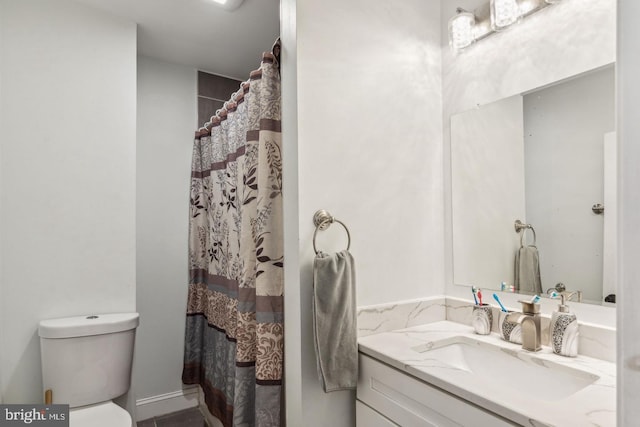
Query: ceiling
[[201, 34]]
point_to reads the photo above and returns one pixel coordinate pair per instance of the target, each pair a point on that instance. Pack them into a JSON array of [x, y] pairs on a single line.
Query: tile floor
[[187, 418]]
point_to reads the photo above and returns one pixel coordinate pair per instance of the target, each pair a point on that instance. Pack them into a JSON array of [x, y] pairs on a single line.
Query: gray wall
[[213, 92], [166, 123]]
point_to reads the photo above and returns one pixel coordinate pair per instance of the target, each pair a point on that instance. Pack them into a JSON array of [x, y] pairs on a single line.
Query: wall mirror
[[544, 157]]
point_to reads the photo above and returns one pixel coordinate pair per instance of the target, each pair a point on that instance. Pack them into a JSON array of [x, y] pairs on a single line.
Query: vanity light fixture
[[461, 29], [504, 13], [228, 4], [467, 27]]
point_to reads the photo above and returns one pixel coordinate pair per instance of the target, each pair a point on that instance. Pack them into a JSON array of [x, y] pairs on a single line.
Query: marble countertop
[[594, 405]]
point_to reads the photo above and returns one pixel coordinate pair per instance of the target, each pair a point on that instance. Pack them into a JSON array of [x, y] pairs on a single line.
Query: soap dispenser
[[563, 331]]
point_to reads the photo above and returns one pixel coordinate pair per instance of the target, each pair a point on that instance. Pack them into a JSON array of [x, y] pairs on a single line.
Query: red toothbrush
[[480, 296]]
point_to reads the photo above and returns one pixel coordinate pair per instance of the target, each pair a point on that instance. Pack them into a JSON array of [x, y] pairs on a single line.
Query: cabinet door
[[367, 417], [410, 402]]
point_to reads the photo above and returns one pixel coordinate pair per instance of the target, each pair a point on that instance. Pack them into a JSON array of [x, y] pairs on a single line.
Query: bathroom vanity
[[442, 374]]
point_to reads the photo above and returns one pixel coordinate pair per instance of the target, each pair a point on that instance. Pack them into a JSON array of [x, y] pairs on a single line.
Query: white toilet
[[86, 362]]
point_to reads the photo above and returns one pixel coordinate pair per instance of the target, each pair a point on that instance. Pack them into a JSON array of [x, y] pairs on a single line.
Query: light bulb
[[461, 30], [504, 13], [228, 4]]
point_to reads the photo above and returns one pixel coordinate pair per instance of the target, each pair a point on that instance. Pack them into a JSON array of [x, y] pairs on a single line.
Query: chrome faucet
[[529, 321], [569, 295], [562, 290]]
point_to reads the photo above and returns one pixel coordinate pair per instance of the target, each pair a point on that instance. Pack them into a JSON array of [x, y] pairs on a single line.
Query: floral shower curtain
[[234, 331]]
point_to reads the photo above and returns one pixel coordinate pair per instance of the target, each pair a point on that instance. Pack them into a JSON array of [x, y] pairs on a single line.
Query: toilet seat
[[105, 414]]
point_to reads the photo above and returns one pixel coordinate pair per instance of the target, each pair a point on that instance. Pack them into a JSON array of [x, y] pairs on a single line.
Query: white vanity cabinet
[[389, 397], [365, 416]]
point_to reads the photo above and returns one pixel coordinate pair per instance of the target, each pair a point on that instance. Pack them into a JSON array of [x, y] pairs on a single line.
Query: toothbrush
[[473, 291], [480, 296], [495, 297], [535, 299]]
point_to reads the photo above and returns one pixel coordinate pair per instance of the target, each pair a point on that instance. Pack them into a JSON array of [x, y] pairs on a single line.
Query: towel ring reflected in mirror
[[522, 228], [322, 220]]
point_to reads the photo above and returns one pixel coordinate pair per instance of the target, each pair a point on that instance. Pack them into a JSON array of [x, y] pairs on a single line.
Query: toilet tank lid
[[90, 324]]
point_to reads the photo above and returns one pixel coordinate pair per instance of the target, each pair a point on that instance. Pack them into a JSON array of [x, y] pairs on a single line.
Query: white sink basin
[[522, 372]]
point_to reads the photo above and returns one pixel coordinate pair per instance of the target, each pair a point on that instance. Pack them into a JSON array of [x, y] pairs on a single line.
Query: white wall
[[370, 152], [628, 297], [560, 41], [564, 168], [557, 42], [610, 232], [293, 381], [67, 218], [167, 118], [2, 342], [370, 146]]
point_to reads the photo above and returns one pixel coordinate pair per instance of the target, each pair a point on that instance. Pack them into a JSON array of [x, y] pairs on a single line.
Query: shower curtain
[[234, 328]]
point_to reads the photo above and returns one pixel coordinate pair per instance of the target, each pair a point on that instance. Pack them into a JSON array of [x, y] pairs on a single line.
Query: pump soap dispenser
[[563, 331]]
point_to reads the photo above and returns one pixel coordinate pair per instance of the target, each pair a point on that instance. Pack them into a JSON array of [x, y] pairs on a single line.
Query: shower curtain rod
[[238, 95]]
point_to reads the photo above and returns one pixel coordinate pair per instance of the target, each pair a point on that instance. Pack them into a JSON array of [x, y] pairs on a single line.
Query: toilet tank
[[87, 359]]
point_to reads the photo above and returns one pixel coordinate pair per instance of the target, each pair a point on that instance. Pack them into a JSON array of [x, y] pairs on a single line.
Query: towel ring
[[522, 229], [322, 220]]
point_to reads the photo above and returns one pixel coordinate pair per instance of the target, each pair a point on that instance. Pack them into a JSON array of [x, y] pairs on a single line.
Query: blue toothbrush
[[473, 291], [495, 297]]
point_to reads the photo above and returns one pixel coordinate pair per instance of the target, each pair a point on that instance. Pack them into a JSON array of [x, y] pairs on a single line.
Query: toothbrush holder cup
[[509, 330], [481, 319]]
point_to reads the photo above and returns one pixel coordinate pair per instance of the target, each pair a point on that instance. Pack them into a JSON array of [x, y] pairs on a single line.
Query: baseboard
[[167, 403]]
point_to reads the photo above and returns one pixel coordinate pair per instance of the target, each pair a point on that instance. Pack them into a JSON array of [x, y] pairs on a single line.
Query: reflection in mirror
[[544, 157]]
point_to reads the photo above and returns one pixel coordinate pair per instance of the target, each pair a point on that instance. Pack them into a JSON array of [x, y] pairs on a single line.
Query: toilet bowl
[[86, 362], [106, 414]]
